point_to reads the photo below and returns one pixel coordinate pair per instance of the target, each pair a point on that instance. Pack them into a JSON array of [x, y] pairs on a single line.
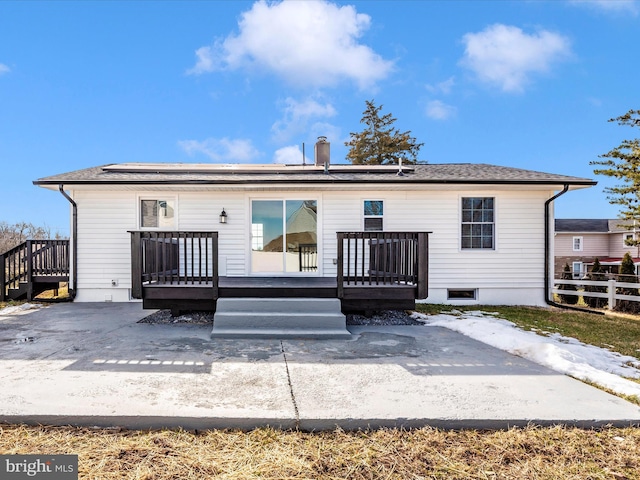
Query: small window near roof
[[577, 244], [373, 215], [155, 213], [628, 237]]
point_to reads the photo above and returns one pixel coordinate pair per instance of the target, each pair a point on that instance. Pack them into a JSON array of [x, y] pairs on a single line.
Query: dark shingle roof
[[583, 225], [182, 173], [594, 225]]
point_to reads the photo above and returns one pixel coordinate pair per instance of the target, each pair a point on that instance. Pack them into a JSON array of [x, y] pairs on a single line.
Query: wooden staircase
[[318, 318], [33, 267]]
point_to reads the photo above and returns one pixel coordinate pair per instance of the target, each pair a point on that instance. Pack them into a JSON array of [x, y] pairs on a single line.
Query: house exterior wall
[[104, 245], [512, 273], [595, 245], [617, 247]]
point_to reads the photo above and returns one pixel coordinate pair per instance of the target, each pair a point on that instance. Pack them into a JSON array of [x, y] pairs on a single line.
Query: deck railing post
[[214, 257], [3, 279], [340, 265], [423, 265], [136, 265], [30, 260]]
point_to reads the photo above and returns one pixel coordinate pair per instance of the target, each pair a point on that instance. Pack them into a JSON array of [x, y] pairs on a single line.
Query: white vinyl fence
[[610, 294]]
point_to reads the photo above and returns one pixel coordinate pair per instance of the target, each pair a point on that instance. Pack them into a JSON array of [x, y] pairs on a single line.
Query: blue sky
[[528, 84]]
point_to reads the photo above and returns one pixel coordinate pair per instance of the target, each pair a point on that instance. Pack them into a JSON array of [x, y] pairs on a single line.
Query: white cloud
[[324, 129], [308, 43], [290, 155], [4, 69], [506, 57], [222, 149], [439, 110], [204, 63], [613, 6], [444, 87], [297, 116]]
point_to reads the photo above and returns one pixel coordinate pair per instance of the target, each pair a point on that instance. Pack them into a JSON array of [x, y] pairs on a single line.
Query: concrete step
[[279, 318]]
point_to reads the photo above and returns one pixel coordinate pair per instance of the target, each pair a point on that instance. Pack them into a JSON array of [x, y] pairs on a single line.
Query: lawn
[[530, 453]]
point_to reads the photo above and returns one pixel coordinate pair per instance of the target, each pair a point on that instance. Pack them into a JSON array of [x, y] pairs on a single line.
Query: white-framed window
[[577, 244], [478, 223], [157, 213], [627, 237], [577, 269], [373, 215]]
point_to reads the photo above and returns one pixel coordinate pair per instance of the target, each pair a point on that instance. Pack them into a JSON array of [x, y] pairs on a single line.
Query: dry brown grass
[[530, 453]]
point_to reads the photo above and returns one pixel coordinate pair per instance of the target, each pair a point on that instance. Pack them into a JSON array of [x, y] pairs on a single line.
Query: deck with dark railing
[[382, 270], [32, 267], [179, 270]]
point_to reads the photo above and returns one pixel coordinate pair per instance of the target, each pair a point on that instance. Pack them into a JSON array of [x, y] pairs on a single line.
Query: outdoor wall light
[[223, 216]]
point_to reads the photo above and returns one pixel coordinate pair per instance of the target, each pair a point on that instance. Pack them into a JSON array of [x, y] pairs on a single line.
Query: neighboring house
[[187, 234], [578, 242]]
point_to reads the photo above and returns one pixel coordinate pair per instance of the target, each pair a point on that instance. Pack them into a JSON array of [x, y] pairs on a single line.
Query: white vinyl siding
[[104, 244], [200, 211], [515, 265]]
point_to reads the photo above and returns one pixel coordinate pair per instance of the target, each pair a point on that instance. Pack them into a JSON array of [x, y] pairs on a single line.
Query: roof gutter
[[547, 257], [330, 178], [74, 241]]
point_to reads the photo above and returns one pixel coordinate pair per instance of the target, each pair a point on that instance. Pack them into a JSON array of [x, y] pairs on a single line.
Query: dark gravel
[[165, 317], [385, 317]]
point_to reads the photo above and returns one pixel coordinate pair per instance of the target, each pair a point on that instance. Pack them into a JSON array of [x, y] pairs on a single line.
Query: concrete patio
[[94, 365]]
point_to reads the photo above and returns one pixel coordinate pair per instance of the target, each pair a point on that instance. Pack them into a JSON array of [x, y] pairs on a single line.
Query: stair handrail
[[8, 276], [22, 268]]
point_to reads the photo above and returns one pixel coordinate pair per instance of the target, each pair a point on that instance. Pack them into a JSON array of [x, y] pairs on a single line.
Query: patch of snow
[[16, 309], [562, 354]]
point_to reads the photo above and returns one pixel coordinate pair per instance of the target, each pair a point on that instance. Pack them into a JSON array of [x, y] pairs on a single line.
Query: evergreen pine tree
[[380, 143]]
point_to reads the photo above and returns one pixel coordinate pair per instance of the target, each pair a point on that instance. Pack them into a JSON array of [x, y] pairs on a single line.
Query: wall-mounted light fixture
[[223, 216]]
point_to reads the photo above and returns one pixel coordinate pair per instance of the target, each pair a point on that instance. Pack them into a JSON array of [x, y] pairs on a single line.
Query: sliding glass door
[[284, 237]]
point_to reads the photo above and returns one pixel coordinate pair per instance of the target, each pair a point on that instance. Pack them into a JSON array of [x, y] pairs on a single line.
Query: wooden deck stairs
[[33, 267], [318, 318]]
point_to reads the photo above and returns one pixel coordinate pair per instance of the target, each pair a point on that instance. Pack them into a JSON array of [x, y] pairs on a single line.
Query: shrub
[[596, 275], [565, 298], [627, 275]]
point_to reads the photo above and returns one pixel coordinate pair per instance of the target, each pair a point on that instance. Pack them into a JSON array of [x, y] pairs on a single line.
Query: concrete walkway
[[92, 364]]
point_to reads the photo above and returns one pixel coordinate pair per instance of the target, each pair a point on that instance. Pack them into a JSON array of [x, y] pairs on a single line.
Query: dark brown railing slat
[[173, 258], [383, 259], [30, 259]]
